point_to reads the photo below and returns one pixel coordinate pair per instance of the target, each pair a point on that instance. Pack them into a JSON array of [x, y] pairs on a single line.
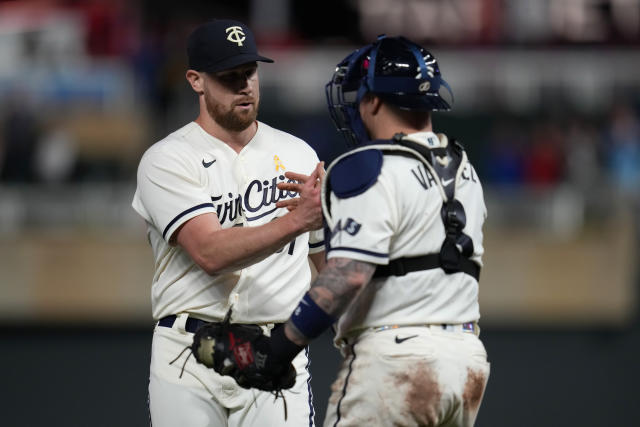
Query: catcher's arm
[[331, 293]]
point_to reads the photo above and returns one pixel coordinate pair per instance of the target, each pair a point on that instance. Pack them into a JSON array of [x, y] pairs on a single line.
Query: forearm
[[236, 248], [218, 250], [333, 290], [239, 247]]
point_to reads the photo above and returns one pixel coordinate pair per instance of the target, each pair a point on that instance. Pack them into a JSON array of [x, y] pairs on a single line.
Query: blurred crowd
[[74, 129], [585, 153], [582, 152]]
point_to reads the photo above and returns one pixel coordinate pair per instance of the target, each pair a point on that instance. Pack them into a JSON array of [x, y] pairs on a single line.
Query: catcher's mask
[[397, 70]]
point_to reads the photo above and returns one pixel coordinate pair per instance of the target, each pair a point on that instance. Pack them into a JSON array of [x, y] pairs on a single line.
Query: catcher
[[404, 210]]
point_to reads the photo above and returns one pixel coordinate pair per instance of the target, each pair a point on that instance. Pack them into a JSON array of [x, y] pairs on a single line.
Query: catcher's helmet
[[399, 71]]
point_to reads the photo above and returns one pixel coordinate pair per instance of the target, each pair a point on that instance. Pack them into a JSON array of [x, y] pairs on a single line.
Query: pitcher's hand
[[308, 188]]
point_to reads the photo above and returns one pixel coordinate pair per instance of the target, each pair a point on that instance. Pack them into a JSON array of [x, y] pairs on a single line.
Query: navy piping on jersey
[[253, 218], [310, 392], [316, 245], [362, 251], [180, 215], [149, 402], [346, 383]]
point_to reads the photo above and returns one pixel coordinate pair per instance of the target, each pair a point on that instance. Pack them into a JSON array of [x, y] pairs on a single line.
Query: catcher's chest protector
[[445, 160]]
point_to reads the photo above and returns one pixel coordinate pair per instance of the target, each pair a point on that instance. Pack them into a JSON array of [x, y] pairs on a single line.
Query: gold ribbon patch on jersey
[[278, 163]]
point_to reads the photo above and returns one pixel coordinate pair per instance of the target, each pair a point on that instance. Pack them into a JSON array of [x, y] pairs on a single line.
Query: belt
[[193, 323], [470, 327]]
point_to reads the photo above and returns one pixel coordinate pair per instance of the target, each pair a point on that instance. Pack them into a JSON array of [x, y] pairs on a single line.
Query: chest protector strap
[[457, 247]]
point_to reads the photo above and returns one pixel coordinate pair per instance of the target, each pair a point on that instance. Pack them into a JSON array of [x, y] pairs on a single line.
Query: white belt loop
[[181, 322], [477, 330], [267, 328]]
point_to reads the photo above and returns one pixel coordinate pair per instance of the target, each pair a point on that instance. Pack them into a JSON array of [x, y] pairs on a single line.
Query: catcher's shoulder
[[354, 172]]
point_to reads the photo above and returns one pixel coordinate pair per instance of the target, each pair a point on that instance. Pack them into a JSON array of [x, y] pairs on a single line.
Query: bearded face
[[237, 117], [232, 97]]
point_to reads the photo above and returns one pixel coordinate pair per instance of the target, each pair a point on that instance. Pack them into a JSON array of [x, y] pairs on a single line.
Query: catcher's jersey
[[190, 173], [399, 216]]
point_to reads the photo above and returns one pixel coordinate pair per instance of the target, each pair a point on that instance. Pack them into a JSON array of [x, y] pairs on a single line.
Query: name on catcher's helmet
[[397, 70]]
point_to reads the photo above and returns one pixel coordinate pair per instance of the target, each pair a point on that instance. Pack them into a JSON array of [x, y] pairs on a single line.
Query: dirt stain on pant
[[423, 394], [336, 391], [473, 389]]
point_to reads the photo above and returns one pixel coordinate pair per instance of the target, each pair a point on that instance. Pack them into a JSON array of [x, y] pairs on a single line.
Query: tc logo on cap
[[236, 35]]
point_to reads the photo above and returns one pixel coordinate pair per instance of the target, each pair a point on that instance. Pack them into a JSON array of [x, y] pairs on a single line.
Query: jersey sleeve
[[362, 225], [169, 192], [316, 241]]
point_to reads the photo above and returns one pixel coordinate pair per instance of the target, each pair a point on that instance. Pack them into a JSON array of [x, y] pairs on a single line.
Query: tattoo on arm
[[339, 283], [333, 290]]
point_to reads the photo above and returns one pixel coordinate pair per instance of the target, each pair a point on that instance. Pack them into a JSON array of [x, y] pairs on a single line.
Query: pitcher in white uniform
[[405, 210], [221, 237]]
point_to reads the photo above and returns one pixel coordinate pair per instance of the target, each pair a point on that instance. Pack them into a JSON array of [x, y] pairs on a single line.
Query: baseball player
[[405, 211], [209, 193]]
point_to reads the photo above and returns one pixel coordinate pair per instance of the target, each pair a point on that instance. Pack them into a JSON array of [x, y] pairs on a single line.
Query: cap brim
[[235, 61]]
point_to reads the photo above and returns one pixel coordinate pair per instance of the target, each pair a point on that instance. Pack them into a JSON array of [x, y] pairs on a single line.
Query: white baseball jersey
[[399, 216], [190, 173]]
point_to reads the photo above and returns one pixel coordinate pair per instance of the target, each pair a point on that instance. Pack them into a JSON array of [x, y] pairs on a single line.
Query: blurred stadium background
[[547, 102]]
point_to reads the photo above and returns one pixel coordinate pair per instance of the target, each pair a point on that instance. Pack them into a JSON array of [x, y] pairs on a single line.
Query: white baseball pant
[[410, 376], [202, 398]]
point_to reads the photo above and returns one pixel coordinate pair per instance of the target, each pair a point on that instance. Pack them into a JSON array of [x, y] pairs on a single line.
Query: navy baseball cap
[[222, 44]]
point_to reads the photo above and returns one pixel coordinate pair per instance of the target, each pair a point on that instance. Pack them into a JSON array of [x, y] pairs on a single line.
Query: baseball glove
[[244, 353]]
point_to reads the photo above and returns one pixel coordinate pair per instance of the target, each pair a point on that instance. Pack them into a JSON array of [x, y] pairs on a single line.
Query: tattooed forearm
[[338, 284], [334, 288]]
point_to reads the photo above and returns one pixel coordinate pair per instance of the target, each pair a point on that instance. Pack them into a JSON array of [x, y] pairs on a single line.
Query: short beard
[[230, 120]]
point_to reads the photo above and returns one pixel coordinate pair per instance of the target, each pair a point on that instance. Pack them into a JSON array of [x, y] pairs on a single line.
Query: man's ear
[[370, 104], [196, 80], [376, 103]]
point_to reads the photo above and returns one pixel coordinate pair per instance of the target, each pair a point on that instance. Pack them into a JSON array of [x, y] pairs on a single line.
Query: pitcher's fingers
[[315, 175], [321, 172], [290, 204], [289, 186], [296, 176]]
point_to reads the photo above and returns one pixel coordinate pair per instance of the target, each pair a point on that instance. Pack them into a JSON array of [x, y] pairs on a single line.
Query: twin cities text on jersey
[[426, 180], [258, 195]]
